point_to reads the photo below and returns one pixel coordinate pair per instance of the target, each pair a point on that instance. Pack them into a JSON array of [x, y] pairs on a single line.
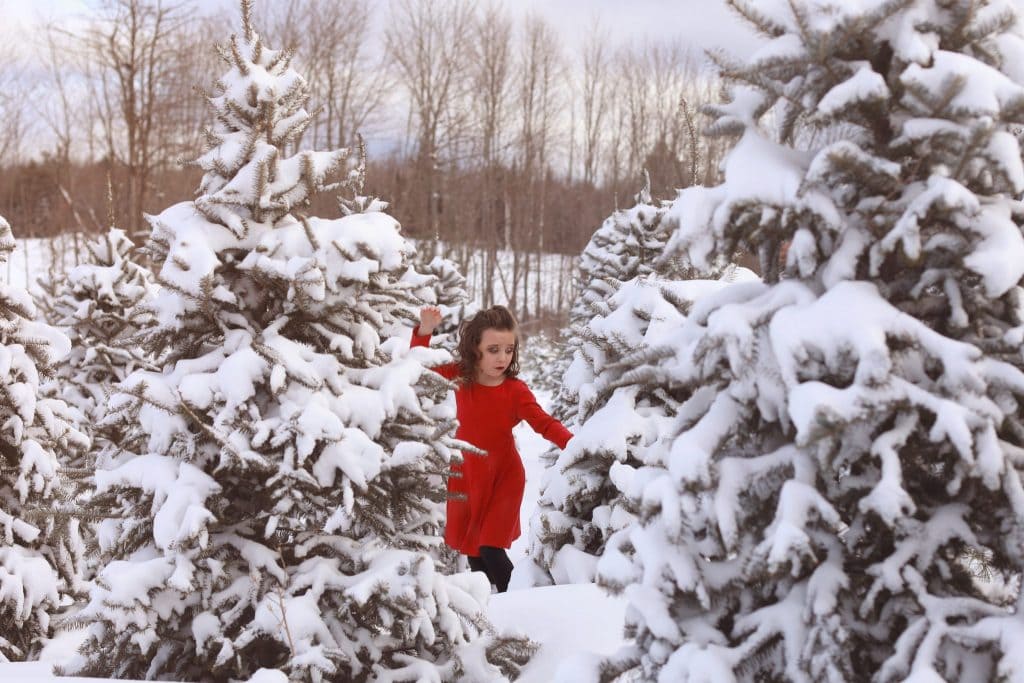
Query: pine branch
[[758, 20]]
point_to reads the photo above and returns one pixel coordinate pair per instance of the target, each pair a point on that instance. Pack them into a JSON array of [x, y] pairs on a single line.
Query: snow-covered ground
[[33, 258], [569, 621]]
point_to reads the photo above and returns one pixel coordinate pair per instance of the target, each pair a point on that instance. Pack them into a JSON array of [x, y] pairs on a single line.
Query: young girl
[[483, 505]]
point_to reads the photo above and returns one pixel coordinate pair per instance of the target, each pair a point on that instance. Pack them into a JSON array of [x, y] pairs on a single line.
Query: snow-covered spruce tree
[[539, 367], [840, 498], [625, 246], [440, 283], [576, 494], [278, 493], [101, 307], [623, 408], [37, 562], [46, 292]]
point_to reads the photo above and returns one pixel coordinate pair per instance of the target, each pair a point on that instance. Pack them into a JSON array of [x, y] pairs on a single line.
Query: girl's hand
[[430, 318]]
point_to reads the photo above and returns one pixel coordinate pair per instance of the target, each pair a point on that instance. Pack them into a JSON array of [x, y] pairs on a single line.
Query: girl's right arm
[[419, 339], [430, 318]]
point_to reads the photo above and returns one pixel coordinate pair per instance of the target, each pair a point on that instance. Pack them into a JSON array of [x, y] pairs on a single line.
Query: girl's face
[[496, 347]]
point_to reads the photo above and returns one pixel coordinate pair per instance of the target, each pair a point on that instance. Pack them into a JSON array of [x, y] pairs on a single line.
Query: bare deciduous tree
[[491, 76], [491, 71], [636, 95], [657, 91], [594, 86], [135, 49], [427, 41], [12, 111], [332, 42], [541, 69]]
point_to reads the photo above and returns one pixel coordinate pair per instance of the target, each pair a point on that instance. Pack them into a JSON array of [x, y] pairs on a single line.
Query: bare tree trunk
[[427, 41], [541, 225], [137, 48], [542, 67], [13, 91], [595, 67], [25, 246]]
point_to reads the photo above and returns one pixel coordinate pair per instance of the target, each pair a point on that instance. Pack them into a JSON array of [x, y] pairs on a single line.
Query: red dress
[[487, 512]]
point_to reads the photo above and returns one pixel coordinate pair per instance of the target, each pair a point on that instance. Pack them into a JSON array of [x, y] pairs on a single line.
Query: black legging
[[495, 564]]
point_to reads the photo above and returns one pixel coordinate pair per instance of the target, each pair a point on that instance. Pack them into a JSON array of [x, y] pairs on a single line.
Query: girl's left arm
[[528, 409]]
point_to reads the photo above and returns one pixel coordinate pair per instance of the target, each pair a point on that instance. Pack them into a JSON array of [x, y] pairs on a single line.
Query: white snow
[[985, 92], [27, 578], [864, 86], [179, 493], [36, 671], [572, 623]]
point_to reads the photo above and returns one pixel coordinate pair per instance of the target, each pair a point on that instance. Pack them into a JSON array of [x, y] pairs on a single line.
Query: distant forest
[[483, 129]]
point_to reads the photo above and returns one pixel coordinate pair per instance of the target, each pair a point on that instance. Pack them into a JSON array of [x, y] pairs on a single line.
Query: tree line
[[485, 132]]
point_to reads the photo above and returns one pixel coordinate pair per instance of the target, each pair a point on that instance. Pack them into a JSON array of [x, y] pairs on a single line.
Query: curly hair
[[471, 332]]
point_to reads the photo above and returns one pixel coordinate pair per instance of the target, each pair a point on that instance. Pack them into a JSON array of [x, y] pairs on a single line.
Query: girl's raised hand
[[430, 318]]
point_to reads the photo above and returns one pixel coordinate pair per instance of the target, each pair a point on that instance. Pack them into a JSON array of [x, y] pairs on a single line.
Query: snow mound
[[574, 624], [25, 672]]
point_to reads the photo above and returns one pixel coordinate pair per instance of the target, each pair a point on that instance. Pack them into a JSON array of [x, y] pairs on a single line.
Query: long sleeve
[[419, 339], [448, 370], [528, 409]]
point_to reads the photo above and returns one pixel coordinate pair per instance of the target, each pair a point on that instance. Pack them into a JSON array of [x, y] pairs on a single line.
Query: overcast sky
[[702, 23]]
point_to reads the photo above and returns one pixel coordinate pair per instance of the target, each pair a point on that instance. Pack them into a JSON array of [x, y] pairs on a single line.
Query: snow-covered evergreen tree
[[45, 294], [847, 452], [38, 562], [277, 495], [627, 251], [538, 368], [622, 409], [101, 307], [440, 283], [627, 245]]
